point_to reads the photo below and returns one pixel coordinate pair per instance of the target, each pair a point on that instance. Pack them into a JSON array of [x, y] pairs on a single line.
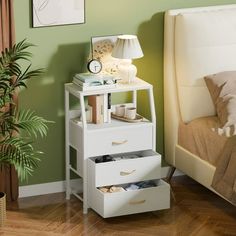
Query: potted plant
[[18, 129]]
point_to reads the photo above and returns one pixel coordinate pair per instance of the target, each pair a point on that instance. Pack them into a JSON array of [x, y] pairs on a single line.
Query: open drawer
[[130, 202], [134, 167]]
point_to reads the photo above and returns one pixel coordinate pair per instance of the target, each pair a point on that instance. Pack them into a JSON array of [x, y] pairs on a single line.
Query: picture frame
[[58, 12], [101, 49]]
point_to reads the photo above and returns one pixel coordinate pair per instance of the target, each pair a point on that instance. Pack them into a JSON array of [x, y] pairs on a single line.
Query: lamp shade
[[127, 47]]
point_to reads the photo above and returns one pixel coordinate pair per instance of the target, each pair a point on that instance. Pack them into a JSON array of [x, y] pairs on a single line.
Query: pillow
[[222, 88]]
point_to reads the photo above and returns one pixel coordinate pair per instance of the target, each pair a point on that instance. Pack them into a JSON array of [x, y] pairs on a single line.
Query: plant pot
[[2, 208]]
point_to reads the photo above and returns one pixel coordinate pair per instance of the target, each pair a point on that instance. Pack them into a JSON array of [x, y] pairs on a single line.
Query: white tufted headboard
[[198, 42]]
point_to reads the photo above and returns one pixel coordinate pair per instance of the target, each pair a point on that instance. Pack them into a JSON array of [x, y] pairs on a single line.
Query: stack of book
[[100, 104], [88, 81], [101, 108]]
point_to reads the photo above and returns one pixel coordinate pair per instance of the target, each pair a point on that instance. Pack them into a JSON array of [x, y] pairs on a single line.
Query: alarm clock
[[94, 66]]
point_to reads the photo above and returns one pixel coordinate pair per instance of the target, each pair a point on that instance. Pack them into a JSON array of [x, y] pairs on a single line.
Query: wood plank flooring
[[196, 211]]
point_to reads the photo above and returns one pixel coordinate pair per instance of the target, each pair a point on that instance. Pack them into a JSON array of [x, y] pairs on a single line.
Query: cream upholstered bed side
[[197, 42]]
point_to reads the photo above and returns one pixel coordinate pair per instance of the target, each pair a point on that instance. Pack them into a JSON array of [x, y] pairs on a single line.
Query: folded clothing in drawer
[[128, 187], [140, 185], [107, 158]]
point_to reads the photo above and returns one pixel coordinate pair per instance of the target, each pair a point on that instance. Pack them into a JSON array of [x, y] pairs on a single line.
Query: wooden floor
[[197, 211]]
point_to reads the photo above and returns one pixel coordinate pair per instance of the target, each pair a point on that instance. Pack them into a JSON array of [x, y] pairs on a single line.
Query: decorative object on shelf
[[96, 102], [58, 12], [127, 47], [101, 49], [138, 118], [130, 113], [100, 106], [120, 110], [94, 66], [2, 209]]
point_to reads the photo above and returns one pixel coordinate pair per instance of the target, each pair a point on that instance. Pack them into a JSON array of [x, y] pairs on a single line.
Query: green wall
[[62, 50]]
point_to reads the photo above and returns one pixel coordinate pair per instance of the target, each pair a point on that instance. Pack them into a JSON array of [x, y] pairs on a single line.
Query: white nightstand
[[117, 137]]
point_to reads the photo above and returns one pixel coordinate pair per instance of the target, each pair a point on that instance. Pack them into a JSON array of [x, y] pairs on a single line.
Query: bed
[[197, 42]]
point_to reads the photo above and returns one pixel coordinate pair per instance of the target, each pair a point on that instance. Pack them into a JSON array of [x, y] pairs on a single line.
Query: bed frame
[[197, 42]]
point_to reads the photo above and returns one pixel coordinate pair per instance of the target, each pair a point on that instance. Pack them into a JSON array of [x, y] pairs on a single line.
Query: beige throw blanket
[[201, 137], [224, 181]]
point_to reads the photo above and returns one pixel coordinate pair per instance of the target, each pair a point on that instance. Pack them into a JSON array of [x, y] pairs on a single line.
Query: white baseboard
[[60, 186], [47, 188]]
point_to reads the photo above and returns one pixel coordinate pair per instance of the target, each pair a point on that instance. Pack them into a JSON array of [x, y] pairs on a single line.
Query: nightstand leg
[[153, 116], [85, 175], [85, 188], [67, 147], [85, 210]]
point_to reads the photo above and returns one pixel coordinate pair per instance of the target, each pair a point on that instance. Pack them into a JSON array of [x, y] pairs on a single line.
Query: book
[[86, 80], [88, 87], [89, 77], [96, 102], [109, 107], [86, 84], [105, 108]]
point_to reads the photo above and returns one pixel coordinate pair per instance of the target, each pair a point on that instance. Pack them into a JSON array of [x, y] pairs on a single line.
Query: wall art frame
[[101, 49], [58, 12]]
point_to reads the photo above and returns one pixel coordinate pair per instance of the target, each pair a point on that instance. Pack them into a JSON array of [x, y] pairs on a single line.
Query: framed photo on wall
[[58, 12]]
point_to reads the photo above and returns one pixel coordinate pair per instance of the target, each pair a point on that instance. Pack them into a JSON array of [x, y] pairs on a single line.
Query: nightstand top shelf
[[138, 84]]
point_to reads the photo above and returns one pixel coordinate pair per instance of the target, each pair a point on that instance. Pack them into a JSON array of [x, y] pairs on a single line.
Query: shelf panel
[[138, 84], [114, 124]]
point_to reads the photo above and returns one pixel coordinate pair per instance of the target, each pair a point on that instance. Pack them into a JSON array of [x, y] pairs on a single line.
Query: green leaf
[[19, 153], [32, 124]]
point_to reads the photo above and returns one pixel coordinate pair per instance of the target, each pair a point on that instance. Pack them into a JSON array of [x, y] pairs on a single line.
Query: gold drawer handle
[[119, 143], [124, 173], [137, 202]]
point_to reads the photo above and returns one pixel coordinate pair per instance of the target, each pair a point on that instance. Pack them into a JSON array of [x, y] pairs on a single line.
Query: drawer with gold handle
[[120, 139], [132, 201], [129, 167]]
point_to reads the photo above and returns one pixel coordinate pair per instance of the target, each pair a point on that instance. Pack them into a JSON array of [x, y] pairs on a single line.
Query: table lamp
[[127, 47]]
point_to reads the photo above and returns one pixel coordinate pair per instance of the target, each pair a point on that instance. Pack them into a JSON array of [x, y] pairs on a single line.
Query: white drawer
[[119, 140], [130, 202], [146, 167]]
